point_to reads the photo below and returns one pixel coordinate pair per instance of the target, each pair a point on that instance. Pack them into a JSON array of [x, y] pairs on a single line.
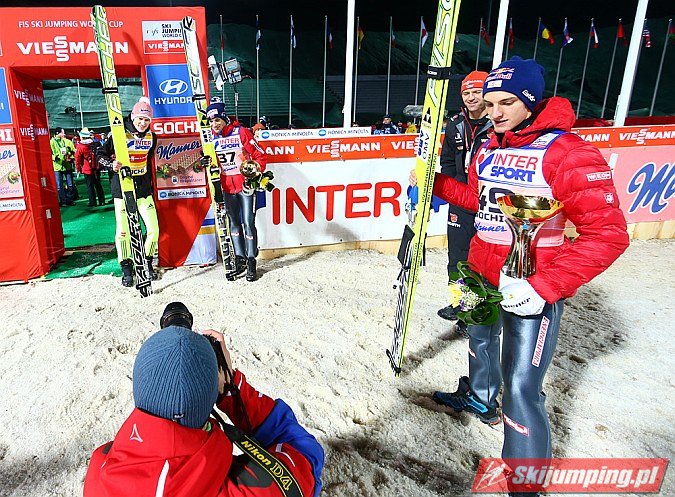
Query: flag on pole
[[546, 34], [361, 35], [646, 37], [222, 38], [671, 32], [621, 35], [330, 37], [483, 33], [258, 35], [567, 39], [594, 35], [293, 41], [424, 32], [393, 39], [512, 38]]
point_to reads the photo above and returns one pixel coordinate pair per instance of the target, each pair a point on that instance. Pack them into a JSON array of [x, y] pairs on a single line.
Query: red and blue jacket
[[153, 456]]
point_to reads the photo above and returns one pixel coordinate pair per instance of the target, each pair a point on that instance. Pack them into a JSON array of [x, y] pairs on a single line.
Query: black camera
[[177, 314]]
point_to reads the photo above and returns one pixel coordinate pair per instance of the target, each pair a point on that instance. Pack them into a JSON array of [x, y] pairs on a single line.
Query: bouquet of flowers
[[478, 303]]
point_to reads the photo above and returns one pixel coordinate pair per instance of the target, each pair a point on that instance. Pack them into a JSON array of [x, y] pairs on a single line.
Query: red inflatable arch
[[38, 44]]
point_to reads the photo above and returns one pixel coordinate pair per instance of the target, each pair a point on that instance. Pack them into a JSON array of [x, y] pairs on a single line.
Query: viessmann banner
[[354, 188]]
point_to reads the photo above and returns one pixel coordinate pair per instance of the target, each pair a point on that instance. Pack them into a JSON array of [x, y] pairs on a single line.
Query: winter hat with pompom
[[142, 108]]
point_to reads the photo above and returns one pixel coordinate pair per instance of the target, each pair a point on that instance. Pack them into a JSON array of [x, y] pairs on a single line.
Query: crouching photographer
[[174, 444]]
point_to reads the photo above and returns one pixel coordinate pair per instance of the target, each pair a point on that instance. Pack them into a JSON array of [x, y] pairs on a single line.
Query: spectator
[[411, 127], [87, 163], [63, 158], [464, 135], [388, 127]]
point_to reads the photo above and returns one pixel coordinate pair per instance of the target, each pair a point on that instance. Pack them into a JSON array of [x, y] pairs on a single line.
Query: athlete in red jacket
[[170, 447], [531, 152], [235, 144]]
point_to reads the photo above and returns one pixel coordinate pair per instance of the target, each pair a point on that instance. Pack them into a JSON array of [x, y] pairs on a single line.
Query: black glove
[[205, 160]]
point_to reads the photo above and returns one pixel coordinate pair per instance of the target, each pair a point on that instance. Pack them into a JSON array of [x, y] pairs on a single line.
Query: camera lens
[[176, 314]]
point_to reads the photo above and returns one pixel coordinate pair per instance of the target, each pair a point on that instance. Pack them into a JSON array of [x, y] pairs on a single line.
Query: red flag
[[671, 32], [512, 38], [424, 32], [621, 35], [483, 33]]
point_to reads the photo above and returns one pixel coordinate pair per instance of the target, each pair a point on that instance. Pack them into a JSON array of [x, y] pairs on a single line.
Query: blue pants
[[529, 343], [241, 212], [65, 179]]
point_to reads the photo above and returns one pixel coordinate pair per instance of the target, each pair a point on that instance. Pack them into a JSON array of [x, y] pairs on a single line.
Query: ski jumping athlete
[[464, 134], [234, 144], [170, 446], [532, 152], [141, 142]]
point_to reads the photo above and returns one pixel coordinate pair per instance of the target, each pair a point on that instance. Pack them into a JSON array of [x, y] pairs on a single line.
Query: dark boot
[[250, 269], [127, 272], [239, 268], [465, 400], [151, 273]]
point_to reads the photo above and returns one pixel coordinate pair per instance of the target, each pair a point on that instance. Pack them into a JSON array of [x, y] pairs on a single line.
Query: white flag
[[425, 34]]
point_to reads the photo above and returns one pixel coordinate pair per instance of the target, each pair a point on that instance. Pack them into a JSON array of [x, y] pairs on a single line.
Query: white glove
[[519, 296]]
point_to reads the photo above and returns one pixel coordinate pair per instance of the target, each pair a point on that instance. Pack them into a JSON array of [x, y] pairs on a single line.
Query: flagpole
[[479, 37], [501, 31], [609, 76], [583, 73], [349, 65], [79, 98], [536, 40], [257, 70], [290, 78], [658, 75], [325, 54], [419, 56], [623, 101], [508, 42], [356, 66], [386, 108], [222, 57]]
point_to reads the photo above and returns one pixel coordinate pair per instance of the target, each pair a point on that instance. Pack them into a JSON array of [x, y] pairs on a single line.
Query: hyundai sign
[[169, 90]]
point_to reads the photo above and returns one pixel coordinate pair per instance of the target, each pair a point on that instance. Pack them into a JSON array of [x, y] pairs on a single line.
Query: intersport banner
[[320, 203]]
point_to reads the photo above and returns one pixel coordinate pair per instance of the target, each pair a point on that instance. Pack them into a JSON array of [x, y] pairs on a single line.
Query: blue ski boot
[[465, 400]]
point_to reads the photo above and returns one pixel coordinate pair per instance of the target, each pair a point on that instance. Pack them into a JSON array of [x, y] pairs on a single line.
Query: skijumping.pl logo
[[567, 475]]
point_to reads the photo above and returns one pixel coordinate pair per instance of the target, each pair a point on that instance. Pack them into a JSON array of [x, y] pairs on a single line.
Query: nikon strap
[[280, 474]]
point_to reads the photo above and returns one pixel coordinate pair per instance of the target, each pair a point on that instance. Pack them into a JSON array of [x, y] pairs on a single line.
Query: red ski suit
[[579, 178], [152, 457], [251, 150]]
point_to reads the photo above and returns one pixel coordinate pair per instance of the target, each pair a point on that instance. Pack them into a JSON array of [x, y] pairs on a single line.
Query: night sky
[[274, 14]]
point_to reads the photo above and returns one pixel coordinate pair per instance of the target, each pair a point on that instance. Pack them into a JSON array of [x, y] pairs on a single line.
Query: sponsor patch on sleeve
[[609, 198], [599, 176]]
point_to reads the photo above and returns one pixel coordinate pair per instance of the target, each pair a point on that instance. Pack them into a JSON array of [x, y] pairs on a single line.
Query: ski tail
[[425, 166], [116, 121], [193, 60]]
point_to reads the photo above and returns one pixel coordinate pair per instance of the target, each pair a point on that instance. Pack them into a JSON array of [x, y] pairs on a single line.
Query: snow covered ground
[[313, 330]]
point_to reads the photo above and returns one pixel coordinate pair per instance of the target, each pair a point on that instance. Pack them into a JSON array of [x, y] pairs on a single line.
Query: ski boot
[[127, 272], [151, 273], [465, 400], [449, 313], [251, 269], [239, 268]]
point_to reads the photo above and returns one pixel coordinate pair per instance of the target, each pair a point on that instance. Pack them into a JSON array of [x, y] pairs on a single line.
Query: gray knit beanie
[[176, 376]]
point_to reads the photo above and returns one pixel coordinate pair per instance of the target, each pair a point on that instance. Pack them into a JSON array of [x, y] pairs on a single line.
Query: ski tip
[[392, 363], [188, 22]]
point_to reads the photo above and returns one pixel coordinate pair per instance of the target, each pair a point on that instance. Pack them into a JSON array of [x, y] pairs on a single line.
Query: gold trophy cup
[[525, 215]]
